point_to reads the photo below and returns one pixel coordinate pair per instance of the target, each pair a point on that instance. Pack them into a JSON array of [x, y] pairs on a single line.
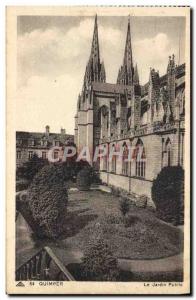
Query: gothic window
[[104, 121], [167, 153], [113, 160], [140, 160], [125, 160]]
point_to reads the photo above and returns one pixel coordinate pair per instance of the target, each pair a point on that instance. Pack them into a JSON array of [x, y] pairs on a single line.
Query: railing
[[44, 265], [148, 129]]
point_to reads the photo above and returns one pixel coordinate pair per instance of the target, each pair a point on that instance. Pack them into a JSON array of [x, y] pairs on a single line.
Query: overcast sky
[[53, 52]]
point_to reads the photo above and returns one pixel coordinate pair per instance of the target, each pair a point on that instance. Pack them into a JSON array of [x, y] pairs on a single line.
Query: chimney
[[47, 130], [63, 131]]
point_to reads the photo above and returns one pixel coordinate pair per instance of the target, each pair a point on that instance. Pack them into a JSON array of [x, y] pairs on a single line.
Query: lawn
[[96, 214]]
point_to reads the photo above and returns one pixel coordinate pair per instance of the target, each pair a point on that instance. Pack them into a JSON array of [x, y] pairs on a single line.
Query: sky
[[52, 53]]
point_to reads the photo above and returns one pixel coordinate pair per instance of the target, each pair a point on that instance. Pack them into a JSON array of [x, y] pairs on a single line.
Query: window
[[105, 162], [113, 160], [19, 141], [140, 160], [44, 155], [30, 154], [18, 154], [31, 142], [55, 154], [125, 160], [44, 142], [56, 143], [167, 153]]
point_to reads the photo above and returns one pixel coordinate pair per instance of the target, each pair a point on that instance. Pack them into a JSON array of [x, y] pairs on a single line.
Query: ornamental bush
[[84, 179], [48, 200], [168, 194], [98, 263]]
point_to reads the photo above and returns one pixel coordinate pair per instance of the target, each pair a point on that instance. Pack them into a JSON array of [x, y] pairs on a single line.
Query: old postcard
[[98, 150]]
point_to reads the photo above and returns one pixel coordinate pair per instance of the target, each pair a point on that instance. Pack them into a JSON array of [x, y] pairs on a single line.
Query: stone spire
[[136, 76], [94, 69], [102, 73], [125, 75]]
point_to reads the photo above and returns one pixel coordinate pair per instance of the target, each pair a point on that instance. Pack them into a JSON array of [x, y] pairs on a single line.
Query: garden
[[103, 228]]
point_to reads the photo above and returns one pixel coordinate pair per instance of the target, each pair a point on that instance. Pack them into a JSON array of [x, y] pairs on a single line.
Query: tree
[[98, 262], [30, 168], [48, 200], [168, 194]]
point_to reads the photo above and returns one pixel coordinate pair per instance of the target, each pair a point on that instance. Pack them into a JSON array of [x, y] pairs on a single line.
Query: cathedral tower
[[126, 71], [95, 72]]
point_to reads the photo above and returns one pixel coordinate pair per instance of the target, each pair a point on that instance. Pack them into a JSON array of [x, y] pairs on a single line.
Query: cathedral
[[128, 114]]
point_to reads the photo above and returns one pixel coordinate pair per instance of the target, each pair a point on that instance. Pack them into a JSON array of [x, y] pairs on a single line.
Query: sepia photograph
[[98, 150]]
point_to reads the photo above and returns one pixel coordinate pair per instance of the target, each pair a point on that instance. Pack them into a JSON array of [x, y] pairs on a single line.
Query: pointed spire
[[136, 76], [126, 72], [102, 73], [94, 69], [95, 44], [128, 61]]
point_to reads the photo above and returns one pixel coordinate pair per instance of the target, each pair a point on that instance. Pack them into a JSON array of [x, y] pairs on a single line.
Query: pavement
[[167, 264]]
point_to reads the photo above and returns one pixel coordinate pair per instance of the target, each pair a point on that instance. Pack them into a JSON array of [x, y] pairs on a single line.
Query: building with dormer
[[39, 143]]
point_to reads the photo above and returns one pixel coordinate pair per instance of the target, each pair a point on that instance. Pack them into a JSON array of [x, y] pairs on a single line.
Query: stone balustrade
[[44, 265], [144, 130]]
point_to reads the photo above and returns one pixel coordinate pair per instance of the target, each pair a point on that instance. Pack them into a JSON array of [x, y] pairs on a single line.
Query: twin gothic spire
[[128, 75], [95, 70]]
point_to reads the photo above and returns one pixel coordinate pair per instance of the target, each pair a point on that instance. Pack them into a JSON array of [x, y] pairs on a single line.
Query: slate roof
[[39, 136], [110, 87]]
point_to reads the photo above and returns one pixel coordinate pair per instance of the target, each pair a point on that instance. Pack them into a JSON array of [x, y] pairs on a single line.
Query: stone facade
[[30, 143], [129, 114]]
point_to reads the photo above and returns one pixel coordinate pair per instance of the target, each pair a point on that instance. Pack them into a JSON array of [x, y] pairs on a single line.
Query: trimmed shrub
[[124, 206], [84, 179], [168, 194], [48, 200], [98, 262]]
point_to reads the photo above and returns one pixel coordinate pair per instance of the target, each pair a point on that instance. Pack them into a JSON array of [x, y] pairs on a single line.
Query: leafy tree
[[98, 262], [48, 200], [168, 194], [30, 168]]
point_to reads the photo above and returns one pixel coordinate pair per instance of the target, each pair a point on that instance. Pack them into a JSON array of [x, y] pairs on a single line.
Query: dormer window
[[19, 142], [44, 142], [56, 143], [31, 142]]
